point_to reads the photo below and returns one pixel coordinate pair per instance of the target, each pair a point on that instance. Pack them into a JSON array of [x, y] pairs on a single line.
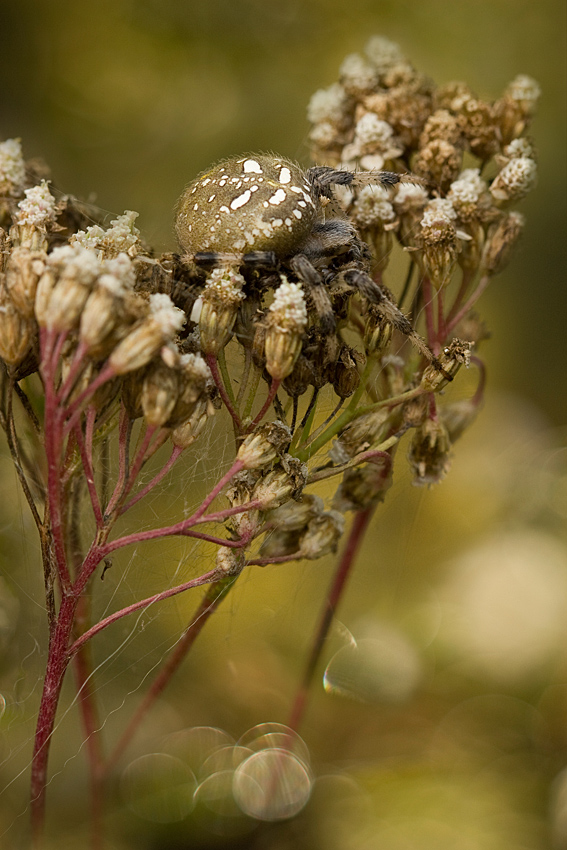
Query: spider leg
[[391, 312], [322, 178], [215, 259], [313, 280]]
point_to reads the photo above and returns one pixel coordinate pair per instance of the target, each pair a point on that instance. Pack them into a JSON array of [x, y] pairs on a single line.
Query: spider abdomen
[[246, 204]]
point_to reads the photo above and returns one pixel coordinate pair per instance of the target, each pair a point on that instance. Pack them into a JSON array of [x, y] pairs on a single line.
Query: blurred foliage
[[130, 99]]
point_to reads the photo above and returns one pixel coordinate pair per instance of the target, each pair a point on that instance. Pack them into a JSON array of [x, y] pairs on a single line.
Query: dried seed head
[[23, 270], [76, 270], [442, 125], [383, 54], [322, 535], [12, 169], [372, 208], [121, 237], [514, 181], [280, 544], [405, 108], [266, 443], [501, 239], [363, 432], [363, 486], [194, 382], [294, 516], [439, 162], [517, 106], [229, 560], [469, 195], [219, 307], [438, 238], [346, 377], [146, 338], [329, 105], [455, 355], [480, 127], [17, 332], [36, 216], [185, 434], [281, 484], [429, 453], [160, 389], [357, 76], [285, 323]]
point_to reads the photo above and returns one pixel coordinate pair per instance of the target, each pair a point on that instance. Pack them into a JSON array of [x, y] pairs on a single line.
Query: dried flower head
[[12, 169]]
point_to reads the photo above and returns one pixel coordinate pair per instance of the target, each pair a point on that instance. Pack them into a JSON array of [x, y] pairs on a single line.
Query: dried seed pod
[[281, 484], [219, 308], [501, 238], [17, 332], [430, 453], [145, 339], [266, 443], [363, 486], [346, 378], [185, 434], [455, 355], [322, 535], [23, 271], [285, 322], [160, 389]]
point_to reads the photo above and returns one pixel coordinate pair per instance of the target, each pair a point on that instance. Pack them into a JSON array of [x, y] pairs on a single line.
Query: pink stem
[[359, 526], [482, 285], [175, 454], [217, 378], [183, 528], [74, 371], [208, 605], [57, 661], [442, 330], [465, 283], [206, 578], [89, 475], [274, 387], [124, 431], [74, 409]]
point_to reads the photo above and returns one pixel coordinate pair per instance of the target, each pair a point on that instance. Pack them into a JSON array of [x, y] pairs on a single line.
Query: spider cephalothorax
[[266, 213]]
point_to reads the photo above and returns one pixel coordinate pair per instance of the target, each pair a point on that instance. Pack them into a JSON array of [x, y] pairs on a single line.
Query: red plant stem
[[91, 724], [465, 283], [359, 526], [76, 366], [138, 460], [206, 578], [53, 444], [182, 528], [57, 661], [74, 409], [274, 387], [208, 605], [217, 378], [124, 431], [482, 285], [175, 454], [89, 475]]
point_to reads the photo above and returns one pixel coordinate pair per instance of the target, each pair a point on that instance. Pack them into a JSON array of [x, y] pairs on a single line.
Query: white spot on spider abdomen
[[278, 197], [241, 200], [251, 166]]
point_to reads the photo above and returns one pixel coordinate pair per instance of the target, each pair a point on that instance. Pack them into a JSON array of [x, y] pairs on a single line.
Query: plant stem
[[359, 526], [57, 661], [208, 605]]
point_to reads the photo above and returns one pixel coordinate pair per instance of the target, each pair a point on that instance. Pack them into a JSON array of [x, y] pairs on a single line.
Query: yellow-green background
[[127, 101]]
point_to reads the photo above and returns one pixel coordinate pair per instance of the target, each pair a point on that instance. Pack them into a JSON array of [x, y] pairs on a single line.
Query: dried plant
[[107, 348]]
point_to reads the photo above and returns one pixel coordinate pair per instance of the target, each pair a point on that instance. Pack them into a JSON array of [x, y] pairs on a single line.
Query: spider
[[264, 211]]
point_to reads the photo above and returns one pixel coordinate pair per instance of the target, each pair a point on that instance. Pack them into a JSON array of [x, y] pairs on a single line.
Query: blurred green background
[[127, 101]]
